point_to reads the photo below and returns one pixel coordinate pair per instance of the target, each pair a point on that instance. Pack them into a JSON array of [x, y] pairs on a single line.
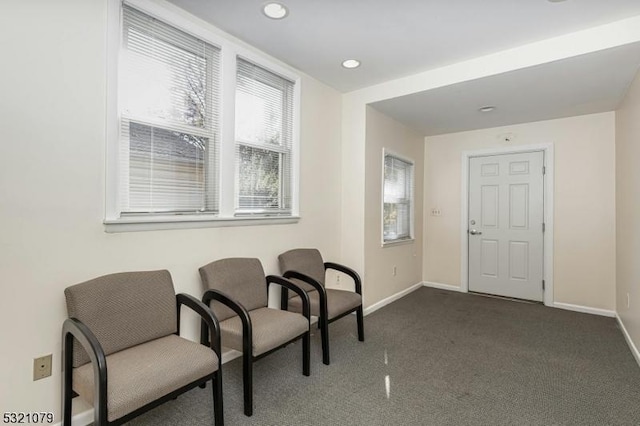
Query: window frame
[[210, 131], [282, 150], [411, 237], [226, 179]]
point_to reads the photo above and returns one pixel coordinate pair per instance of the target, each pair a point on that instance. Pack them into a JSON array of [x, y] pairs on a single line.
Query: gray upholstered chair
[[306, 268], [131, 357], [237, 292]]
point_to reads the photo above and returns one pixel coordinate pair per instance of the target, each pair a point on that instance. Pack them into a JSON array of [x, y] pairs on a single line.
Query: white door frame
[[548, 212]]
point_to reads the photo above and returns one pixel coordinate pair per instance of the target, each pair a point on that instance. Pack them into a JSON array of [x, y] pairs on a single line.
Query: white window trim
[[229, 51], [411, 239], [287, 149]]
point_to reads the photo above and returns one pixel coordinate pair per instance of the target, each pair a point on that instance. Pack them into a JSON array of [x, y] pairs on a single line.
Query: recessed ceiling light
[[555, 1], [275, 10], [487, 108], [351, 63]]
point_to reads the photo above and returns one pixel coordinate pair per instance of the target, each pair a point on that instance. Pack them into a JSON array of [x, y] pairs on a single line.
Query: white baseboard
[[627, 337], [442, 286], [82, 413], [384, 302], [585, 309]]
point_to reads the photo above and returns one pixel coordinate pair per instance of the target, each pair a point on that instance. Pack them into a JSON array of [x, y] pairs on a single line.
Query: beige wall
[[52, 196], [584, 203], [384, 132], [628, 210]]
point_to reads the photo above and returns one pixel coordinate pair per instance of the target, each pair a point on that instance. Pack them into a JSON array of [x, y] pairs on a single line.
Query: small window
[[264, 133], [397, 211], [168, 119]]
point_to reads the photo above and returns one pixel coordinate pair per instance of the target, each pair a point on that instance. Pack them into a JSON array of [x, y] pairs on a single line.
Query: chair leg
[[67, 356], [247, 380], [218, 413], [324, 334], [306, 354], [360, 319]]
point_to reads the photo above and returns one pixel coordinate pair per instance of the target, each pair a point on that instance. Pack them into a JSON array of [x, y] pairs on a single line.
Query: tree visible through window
[[168, 129], [397, 212], [167, 161]]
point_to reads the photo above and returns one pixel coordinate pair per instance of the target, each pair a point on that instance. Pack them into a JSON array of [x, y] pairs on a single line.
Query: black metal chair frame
[[247, 334], [324, 321], [72, 327]]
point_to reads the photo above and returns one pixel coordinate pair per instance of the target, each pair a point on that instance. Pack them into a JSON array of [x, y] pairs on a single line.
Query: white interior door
[[505, 229]]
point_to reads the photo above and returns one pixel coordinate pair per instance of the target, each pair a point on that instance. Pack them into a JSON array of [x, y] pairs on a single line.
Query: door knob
[[474, 232]]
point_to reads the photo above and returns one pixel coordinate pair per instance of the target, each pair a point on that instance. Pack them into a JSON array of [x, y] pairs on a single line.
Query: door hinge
[[544, 170], [543, 284], [544, 228]]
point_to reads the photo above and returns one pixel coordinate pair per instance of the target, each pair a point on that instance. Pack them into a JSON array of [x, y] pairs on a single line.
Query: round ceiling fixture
[[275, 10], [351, 63], [487, 108]]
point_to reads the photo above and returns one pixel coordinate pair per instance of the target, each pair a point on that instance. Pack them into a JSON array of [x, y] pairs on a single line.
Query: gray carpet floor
[[438, 358]]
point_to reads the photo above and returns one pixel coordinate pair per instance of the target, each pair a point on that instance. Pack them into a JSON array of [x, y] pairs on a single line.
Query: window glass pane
[[165, 72], [397, 198], [258, 112], [171, 86], [167, 170], [390, 220], [396, 182], [259, 178]]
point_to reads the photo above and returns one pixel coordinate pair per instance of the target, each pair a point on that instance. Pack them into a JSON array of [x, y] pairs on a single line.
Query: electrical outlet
[[42, 367], [435, 212], [337, 279], [628, 300]]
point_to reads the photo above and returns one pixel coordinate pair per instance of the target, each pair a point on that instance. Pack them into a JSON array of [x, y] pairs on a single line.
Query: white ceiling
[[584, 84], [398, 38], [395, 38]]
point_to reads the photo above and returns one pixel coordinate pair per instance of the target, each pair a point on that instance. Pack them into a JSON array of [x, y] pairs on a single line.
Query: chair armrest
[[73, 327], [209, 320], [307, 279], [345, 269], [218, 296], [306, 305]]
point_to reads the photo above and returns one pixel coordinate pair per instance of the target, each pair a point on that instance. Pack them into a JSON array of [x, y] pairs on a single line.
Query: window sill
[[156, 223], [398, 242]]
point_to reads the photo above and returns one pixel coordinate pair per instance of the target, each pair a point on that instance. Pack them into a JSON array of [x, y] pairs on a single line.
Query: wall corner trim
[[443, 286], [384, 302], [585, 309], [627, 337]]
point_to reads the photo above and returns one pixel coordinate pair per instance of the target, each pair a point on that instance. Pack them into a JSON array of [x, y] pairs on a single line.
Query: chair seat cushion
[[338, 302], [271, 328], [141, 374]]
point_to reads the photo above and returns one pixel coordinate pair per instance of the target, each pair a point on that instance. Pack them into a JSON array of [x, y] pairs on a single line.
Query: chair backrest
[[307, 261], [123, 310], [240, 278]]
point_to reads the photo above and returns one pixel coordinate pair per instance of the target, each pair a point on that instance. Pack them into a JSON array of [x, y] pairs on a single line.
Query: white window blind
[[168, 109], [264, 133], [397, 199]]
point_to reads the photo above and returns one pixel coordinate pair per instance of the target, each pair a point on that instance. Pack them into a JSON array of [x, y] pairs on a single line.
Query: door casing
[[548, 212]]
